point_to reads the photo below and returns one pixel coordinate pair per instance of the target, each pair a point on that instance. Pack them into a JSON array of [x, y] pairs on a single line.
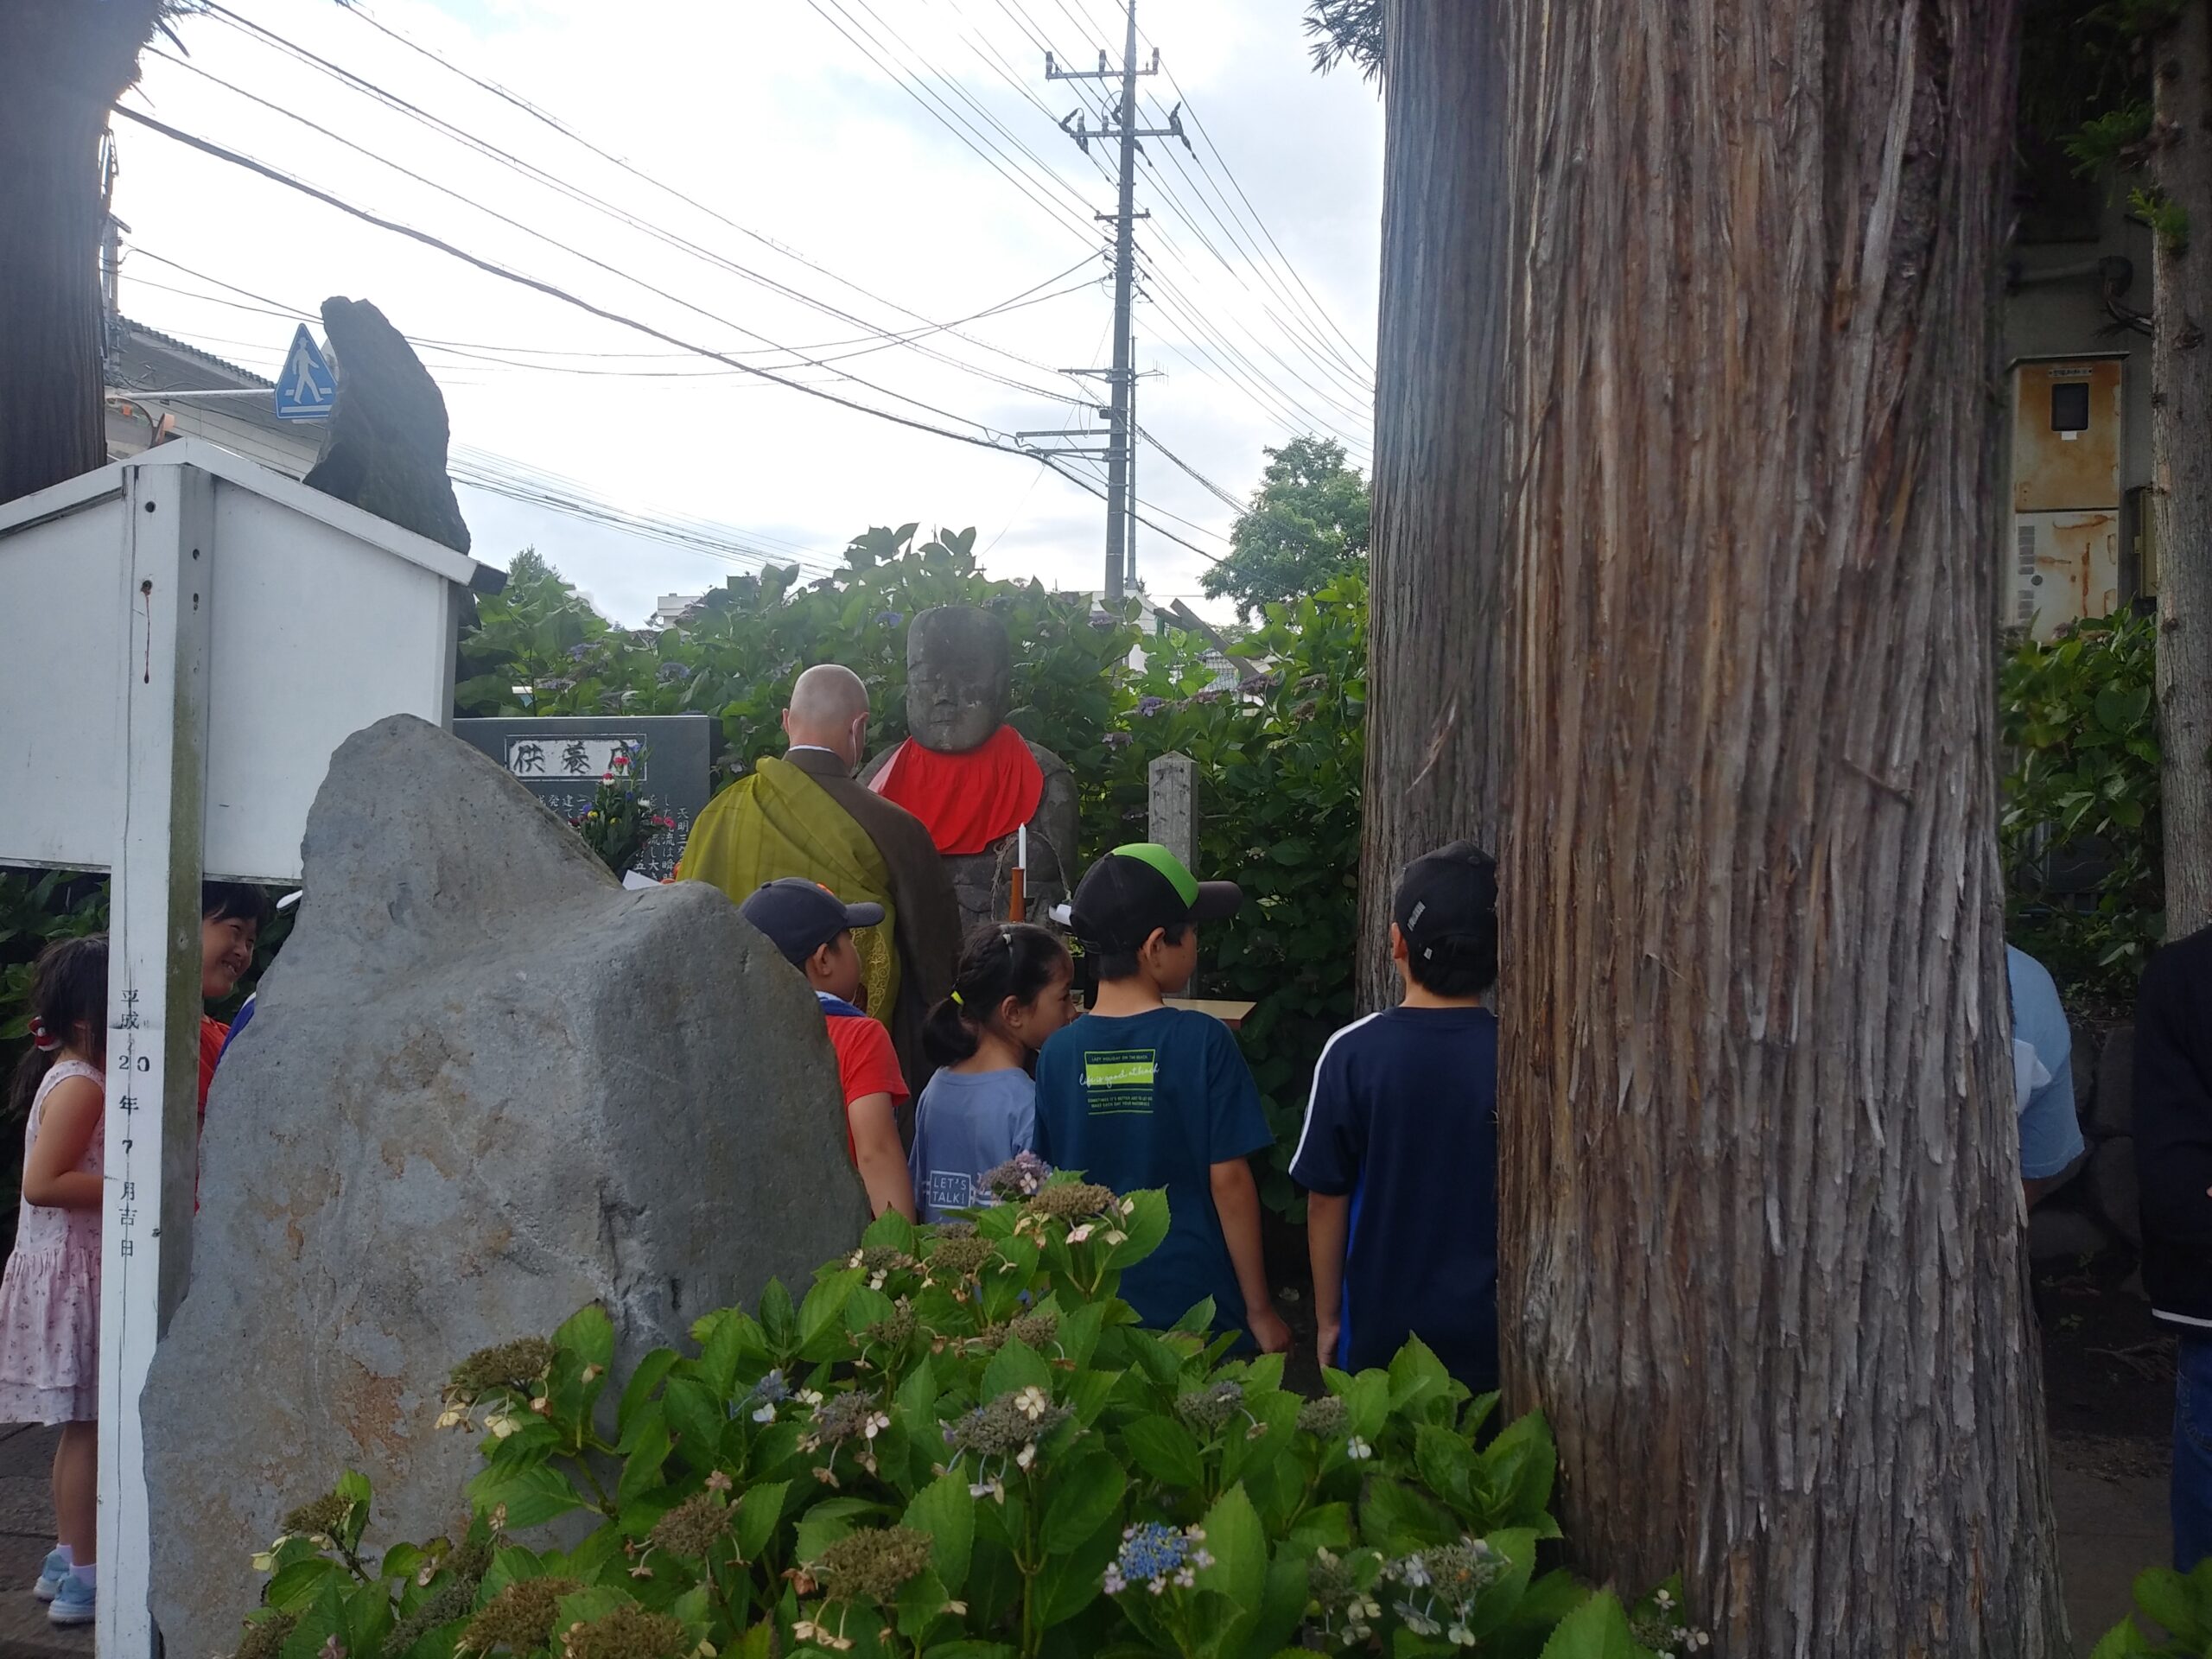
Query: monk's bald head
[[829, 711]]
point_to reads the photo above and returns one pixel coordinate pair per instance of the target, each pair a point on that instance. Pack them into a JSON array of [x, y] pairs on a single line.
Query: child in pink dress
[[50, 1295]]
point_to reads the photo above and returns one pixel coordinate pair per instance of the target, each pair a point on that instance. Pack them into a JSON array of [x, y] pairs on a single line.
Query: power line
[[574, 193], [1296, 420], [553, 292], [493, 353], [555, 124]]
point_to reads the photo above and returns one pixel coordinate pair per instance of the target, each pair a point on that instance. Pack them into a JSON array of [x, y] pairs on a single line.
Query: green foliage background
[[1278, 759], [2078, 720]]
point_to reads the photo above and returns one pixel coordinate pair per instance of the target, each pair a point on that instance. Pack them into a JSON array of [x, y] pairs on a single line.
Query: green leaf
[[1239, 1548], [293, 1587], [1517, 1469], [758, 1510], [1166, 1450], [2172, 1600], [1016, 1365], [1499, 1603], [1445, 1462], [890, 1229], [778, 1319], [1197, 1320], [532, 1496], [647, 1378], [1078, 1500], [697, 1419], [641, 1470], [588, 1334], [1145, 1227], [1396, 1518], [1596, 1629], [822, 1311], [943, 1510], [2123, 1640], [1416, 1375], [829, 1521]]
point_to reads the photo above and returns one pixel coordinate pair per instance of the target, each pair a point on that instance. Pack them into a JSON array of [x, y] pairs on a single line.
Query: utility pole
[[1121, 454]]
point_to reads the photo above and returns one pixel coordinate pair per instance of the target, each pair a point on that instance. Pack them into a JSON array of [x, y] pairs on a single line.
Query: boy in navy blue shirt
[[1399, 1154], [1138, 1095]]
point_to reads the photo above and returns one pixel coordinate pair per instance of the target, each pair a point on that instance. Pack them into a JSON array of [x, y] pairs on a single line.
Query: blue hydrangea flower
[[891, 618], [1149, 706], [1156, 1555], [672, 672]]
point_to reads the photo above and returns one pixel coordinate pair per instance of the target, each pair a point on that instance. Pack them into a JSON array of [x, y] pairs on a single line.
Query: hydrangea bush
[[959, 1445]]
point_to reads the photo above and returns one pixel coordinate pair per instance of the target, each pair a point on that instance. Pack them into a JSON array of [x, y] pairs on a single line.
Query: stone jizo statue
[[973, 780]]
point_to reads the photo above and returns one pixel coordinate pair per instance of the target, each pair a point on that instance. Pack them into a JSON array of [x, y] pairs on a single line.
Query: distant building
[[151, 379], [1231, 668], [674, 608]]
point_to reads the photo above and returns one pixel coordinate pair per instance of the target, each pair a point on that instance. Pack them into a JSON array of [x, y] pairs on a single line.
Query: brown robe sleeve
[[927, 930]]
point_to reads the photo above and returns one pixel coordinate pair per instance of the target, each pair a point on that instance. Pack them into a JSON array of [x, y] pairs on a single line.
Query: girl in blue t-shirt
[[980, 1108]]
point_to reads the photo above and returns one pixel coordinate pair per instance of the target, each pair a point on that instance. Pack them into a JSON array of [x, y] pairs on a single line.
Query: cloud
[[806, 157]]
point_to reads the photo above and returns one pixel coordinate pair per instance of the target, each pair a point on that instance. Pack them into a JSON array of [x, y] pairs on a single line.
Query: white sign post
[[185, 638]]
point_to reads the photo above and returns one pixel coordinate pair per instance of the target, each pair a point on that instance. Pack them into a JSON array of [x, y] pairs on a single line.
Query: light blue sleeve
[[2050, 1129]]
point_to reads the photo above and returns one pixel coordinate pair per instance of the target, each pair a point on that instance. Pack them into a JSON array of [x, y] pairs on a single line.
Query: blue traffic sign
[[306, 389]]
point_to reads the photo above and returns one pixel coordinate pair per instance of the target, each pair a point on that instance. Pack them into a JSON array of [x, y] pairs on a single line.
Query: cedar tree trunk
[[1760, 1190], [2181, 456], [1434, 744], [62, 62]]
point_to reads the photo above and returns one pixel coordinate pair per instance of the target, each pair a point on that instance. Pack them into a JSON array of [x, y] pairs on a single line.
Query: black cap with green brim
[[1137, 888]]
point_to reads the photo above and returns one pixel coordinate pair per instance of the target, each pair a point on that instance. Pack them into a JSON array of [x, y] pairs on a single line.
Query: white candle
[[1021, 848]]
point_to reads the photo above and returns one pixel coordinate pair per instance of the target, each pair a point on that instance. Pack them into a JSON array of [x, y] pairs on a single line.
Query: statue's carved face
[[959, 678]]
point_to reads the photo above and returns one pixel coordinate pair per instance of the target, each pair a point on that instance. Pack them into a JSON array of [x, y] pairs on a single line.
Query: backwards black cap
[[1451, 894]]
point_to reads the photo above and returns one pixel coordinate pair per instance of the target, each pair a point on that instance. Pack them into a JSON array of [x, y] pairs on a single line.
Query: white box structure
[[185, 639]]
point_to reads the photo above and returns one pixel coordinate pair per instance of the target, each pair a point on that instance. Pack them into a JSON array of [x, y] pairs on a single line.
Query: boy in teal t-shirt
[[1137, 1094]]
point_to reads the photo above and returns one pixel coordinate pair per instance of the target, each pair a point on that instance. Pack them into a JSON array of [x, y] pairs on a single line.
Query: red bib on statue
[[966, 801]]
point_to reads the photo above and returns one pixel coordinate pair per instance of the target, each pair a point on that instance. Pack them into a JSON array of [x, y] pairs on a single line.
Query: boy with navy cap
[[1399, 1154], [1136, 1094], [813, 928]]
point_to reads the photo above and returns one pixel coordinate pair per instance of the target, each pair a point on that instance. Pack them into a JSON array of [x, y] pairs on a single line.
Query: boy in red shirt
[[814, 930]]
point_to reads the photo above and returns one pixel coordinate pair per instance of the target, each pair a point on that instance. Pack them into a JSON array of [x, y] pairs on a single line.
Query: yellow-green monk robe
[[806, 815]]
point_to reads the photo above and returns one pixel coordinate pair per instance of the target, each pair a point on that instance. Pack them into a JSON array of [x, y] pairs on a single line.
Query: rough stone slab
[[483, 1085], [2114, 1193], [2113, 1111]]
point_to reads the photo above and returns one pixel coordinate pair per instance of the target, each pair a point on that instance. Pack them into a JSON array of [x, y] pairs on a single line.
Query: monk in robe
[[806, 815]]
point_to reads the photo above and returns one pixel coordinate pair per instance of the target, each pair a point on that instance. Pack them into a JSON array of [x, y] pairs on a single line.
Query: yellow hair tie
[[956, 1002]]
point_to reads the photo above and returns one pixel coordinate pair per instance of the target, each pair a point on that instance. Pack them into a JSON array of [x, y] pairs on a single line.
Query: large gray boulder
[[483, 1085]]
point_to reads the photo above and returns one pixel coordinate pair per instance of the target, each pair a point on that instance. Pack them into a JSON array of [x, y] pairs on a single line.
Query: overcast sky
[[832, 202]]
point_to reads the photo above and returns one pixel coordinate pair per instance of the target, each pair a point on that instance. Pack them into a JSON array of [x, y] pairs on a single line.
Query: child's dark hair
[[69, 1006], [1465, 965], [1016, 959], [241, 901], [1123, 965]]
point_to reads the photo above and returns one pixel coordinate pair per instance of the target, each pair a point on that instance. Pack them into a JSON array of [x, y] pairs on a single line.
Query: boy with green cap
[[1136, 1094]]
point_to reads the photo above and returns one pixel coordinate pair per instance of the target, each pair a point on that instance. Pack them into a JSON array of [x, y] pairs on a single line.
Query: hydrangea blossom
[[1023, 1176], [1156, 1555]]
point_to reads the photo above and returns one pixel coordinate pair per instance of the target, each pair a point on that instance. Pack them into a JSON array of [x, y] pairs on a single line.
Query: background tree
[[62, 62], [1306, 527], [2180, 142], [1435, 753], [1760, 1186]]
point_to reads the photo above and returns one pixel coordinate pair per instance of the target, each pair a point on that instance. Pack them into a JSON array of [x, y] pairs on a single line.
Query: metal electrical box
[[2063, 559]]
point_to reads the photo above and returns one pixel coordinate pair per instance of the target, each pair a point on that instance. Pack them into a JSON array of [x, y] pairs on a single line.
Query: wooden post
[[1172, 810], [150, 1143]]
